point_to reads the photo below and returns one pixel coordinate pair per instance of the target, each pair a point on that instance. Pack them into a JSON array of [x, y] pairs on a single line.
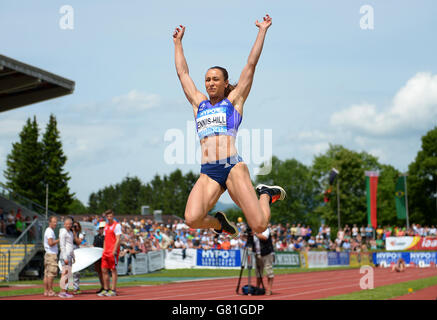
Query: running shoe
[[111, 293], [227, 226], [103, 293], [275, 192], [101, 289], [65, 295]]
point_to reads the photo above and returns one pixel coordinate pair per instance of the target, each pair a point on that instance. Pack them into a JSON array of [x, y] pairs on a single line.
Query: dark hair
[[230, 87]]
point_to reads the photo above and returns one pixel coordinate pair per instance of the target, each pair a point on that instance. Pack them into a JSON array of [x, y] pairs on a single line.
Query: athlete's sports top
[[218, 119]]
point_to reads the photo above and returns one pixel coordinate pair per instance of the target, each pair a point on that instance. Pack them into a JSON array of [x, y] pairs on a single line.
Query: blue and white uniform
[[219, 119]]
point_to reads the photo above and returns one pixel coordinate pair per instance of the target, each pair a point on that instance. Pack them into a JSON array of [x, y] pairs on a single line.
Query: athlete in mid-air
[[217, 120]]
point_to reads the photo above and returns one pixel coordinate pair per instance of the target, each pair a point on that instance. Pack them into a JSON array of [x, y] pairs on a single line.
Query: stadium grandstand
[[21, 252]]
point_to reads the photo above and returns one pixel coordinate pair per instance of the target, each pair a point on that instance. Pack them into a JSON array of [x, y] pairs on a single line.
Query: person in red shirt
[[111, 251]]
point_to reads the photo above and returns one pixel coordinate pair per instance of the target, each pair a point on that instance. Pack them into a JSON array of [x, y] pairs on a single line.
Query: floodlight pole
[[406, 200], [338, 203], [47, 200]]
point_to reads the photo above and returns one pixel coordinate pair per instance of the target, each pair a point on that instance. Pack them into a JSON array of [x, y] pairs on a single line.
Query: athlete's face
[[215, 83], [110, 218]]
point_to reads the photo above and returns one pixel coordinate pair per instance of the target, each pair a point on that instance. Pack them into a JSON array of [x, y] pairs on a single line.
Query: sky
[[328, 74]]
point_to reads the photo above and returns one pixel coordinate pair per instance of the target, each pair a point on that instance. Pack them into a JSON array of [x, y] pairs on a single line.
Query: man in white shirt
[[50, 257], [66, 239]]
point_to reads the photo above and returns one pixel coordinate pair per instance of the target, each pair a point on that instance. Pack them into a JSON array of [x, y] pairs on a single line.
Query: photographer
[[78, 237], [263, 247]]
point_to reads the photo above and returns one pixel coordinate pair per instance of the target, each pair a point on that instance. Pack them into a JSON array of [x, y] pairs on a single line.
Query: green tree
[[352, 166], [24, 168], [301, 199], [77, 207], [54, 174], [422, 182]]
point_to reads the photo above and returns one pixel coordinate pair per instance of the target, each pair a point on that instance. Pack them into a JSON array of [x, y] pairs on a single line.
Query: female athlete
[[217, 120]]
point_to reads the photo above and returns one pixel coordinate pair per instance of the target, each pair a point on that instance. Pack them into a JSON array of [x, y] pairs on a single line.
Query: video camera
[[249, 236]]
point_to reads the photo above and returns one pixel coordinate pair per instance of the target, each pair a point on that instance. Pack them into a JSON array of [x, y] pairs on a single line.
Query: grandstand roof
[[22, 84]]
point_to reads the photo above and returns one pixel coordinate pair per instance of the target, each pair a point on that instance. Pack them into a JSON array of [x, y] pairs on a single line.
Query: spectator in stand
[[355, 231], [303, 231], [433, 232], [226, 244], [379, 232], [11, 223], [293, 232], [369, 232], [2, 222], [308, 233], [312, 243], [387, 233], [380, 245], [340, 235], [346, 245], [328, 232], [179, 244], [216, 245], [363, 232], [320, 239], [298, 231]]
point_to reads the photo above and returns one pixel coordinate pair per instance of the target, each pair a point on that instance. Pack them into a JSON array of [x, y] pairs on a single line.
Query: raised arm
[[193, 95], [239, 95]]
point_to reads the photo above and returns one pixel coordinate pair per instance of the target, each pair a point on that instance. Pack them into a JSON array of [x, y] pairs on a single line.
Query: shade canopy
[[22, 84]]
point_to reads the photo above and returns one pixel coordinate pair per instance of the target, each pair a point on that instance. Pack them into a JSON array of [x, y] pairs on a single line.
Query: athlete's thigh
[[241, 190], [203, 197]]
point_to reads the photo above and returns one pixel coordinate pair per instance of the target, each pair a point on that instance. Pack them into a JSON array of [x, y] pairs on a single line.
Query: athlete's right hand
[[178, 33]]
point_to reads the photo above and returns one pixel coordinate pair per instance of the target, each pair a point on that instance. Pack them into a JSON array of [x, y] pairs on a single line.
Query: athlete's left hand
[[264, 24]]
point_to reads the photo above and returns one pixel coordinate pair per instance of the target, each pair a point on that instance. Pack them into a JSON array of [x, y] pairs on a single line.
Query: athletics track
[[298, 286]]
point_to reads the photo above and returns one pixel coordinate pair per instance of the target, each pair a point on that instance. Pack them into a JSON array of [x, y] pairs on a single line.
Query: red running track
[[429, 293], [298, 286]]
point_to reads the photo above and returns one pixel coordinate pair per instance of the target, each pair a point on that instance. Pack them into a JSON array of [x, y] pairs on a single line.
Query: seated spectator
[[355, 231], [380, 245], [320, 239], [346, 245], [312, 243], [216, 244], [178, 244], [226, 244], [2, 222], [369, 232], [11, 224]]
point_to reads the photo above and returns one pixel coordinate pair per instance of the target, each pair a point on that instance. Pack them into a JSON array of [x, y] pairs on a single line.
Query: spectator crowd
[[144, 235]]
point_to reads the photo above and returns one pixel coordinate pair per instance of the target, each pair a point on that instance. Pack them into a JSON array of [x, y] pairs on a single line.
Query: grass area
[[387, 292], [155, 278]]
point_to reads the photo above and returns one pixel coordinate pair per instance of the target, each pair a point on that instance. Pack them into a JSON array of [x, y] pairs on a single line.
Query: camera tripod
[[247, 258]]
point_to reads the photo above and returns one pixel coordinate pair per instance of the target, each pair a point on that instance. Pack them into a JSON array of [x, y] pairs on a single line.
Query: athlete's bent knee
[[191, 221], [260, 227]]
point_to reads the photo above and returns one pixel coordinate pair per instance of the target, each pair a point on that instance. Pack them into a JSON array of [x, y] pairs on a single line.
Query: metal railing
[[3, 266], [8, 194]]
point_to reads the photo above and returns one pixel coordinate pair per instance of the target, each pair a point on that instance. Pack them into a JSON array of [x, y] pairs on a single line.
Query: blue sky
[[321, 78]]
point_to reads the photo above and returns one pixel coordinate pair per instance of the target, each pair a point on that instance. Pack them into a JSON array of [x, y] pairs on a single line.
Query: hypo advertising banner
[[417, 258], [411, 243], [218, 258]]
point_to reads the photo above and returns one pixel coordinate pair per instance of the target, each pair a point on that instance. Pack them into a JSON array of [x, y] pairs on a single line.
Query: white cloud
[[135, 101], [132, 102], [413, 108]]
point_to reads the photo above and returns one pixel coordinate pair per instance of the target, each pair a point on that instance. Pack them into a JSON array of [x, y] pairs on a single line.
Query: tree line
[[32, 164]]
